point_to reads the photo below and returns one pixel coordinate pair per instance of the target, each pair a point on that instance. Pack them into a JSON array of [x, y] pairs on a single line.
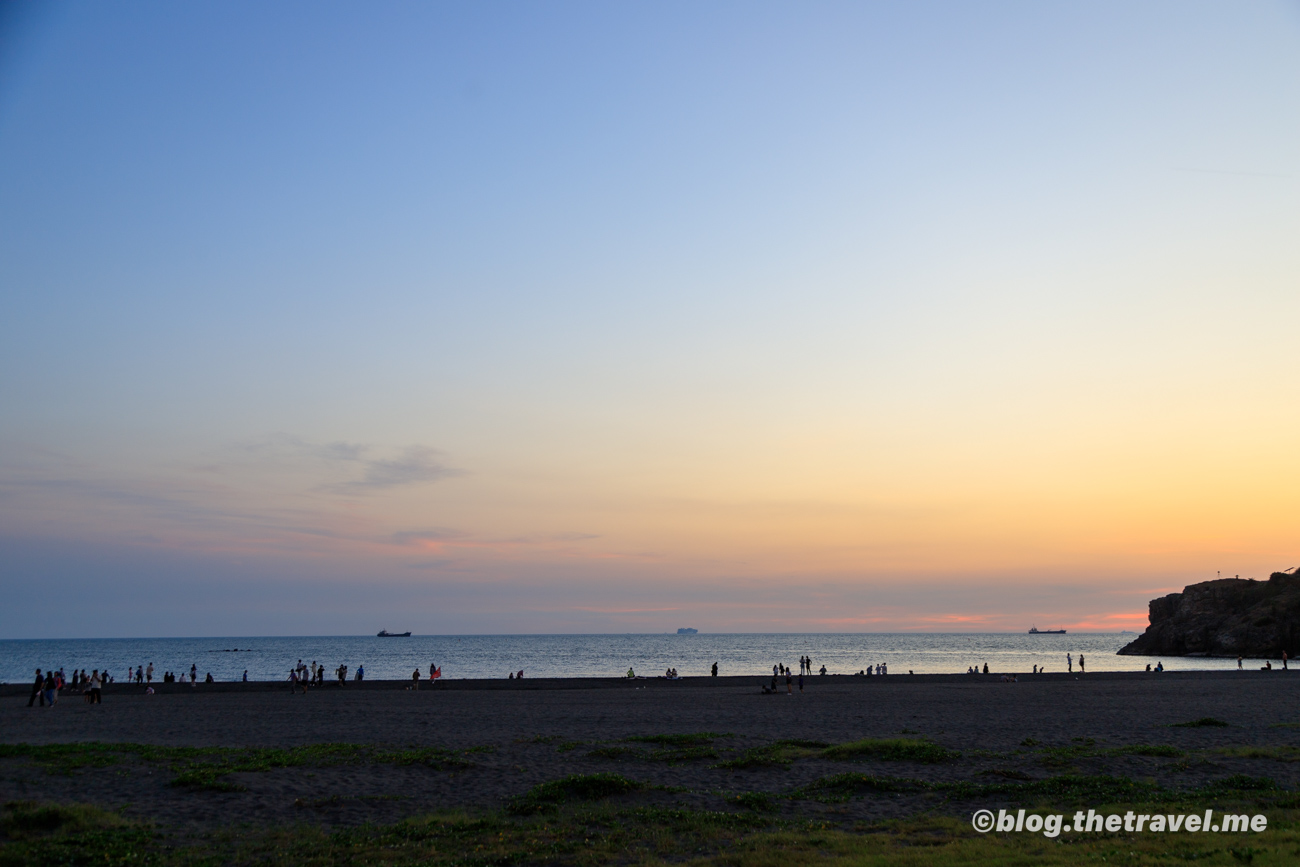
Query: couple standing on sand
[[435, 672], [45, 688], [1069, 662]]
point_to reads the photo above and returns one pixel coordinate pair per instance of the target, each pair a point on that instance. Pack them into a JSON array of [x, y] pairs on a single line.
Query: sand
[[986, 719]]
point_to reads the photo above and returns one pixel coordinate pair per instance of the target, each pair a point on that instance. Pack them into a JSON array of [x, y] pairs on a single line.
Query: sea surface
[[495, 656]]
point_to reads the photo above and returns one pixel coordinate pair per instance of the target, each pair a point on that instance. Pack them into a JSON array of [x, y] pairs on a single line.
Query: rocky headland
[[1228, 617]]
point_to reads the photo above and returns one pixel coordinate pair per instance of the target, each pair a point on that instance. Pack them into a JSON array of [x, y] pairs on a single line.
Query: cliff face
[[1230, 617]]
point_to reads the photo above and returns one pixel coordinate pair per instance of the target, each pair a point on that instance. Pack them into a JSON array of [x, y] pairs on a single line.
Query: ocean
[[493, 656]]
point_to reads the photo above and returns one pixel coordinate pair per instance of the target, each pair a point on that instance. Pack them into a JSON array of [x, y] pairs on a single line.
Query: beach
[[500, 739]]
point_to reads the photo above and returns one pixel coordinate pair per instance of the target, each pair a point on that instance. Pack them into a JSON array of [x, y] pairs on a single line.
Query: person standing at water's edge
[[715, 669], [1069, 662], [1080, 663], [37, 689]]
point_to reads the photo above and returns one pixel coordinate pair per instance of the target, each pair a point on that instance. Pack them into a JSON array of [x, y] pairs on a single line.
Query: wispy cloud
[[368, 468], [415, 464]]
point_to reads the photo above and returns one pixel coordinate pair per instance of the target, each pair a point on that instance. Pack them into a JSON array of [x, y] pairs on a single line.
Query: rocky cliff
[[1229, 617]]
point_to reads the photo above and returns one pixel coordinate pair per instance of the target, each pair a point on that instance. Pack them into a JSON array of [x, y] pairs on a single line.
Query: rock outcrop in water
[[1229, 617]]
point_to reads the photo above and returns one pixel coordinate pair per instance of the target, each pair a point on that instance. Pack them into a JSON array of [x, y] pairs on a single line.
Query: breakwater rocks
[[1229, 617]]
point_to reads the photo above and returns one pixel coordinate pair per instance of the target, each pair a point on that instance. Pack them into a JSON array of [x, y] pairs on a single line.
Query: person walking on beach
[[1069, 662], [148, 673], [51, 688], [715, 669], [246, 675], [95, 684], [1284, 658], [38, 687]]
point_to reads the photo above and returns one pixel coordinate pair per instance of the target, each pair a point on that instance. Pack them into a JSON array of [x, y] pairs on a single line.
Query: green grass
[[618, 752], [759, 802], [781, 752], [207, 767], [1277, 753], [581, 787], [891, 750], [1068, 789], [580, 821]]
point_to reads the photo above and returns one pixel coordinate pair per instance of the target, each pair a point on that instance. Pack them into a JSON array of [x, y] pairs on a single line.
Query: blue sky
[[548, 317]]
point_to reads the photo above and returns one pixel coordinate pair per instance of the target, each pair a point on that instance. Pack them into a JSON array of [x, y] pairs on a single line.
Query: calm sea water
[[485, 656]]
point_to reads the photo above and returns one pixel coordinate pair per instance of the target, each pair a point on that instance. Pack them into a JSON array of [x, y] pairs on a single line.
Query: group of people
[[47, 685], [302, 675], [878, 668], [780, 670]]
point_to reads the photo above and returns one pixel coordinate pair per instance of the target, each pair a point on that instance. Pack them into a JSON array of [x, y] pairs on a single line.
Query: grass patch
[[26, 820], [759, 802], [617, 752], [207, 767], [777, 753], [1203, 722], [581, 787], [585, 828], [73, 834], [1276, 754], [1059, 791], [891, 750]]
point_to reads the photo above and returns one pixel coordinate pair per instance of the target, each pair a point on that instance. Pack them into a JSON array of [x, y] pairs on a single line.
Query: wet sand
[[531, 727]]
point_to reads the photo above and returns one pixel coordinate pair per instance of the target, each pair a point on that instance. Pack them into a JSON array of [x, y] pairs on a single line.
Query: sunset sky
[[321, 318]]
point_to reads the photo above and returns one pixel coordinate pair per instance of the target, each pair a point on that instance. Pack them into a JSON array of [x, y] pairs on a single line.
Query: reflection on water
[[480, 656]]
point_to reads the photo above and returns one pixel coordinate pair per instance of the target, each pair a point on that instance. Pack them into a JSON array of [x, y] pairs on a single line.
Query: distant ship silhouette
[[1034, 630], [384, 633], [686, 630]]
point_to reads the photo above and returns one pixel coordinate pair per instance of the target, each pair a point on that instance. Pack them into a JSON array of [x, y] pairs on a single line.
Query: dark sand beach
[[502, 738]]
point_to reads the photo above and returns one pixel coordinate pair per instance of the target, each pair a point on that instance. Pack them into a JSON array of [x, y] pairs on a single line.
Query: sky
[[321, 318]]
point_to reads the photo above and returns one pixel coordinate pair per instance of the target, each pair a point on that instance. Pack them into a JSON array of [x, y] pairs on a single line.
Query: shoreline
[[691, 682]]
